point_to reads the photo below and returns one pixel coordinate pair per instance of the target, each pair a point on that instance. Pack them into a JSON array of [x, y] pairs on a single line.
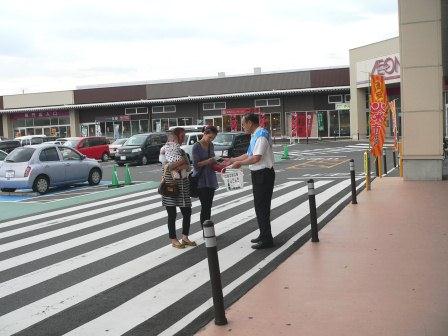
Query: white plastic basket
[[233, 178]]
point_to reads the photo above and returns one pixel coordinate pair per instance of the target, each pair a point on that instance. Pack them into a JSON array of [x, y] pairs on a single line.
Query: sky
[[60, 45]]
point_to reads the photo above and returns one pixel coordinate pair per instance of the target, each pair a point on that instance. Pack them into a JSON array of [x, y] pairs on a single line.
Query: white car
[[190, 139], [27, 140], [115, 145]]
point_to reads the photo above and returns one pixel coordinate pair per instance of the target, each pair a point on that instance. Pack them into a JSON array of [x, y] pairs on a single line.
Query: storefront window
[[19, 123], [184, 121], [109, 129], [135, 127], [126, 129], [344, 123], [144, 126], [276, 128], [334, 124]]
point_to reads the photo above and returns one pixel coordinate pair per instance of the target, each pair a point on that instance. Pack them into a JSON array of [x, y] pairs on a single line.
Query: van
[[31, 139], [231, 144], [141, 149], [93, 147]]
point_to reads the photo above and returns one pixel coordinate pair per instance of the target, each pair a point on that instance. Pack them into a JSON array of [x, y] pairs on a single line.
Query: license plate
[[9, 174], [122, 157]]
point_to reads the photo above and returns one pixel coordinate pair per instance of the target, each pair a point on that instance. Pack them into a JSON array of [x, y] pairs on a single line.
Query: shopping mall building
[[320, 97], [331, 102]]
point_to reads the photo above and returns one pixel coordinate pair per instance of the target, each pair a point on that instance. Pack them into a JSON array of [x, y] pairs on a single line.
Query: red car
[[94, 147]]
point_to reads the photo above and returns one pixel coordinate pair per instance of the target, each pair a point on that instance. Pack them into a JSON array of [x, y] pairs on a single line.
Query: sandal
[[178, 246], [189, 243]]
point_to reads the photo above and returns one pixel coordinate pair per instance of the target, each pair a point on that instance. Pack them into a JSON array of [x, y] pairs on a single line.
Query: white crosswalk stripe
[[48, 278], [329, 152]]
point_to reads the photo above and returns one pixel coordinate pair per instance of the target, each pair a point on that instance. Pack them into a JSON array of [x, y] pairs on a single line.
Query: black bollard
[[215, 274], [394, 157], [313, 212], [384, 162], [377, 169], [353, 181]]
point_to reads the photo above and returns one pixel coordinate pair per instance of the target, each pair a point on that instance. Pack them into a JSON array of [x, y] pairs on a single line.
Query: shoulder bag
[[194, 180], [168, 188]]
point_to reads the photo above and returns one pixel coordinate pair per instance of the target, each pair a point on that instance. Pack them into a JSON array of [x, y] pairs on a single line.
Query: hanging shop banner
[[309, 124], [263, 121], [393, 111], [233, 123], [240, 111], [378, 114], [320, 121], [294, 125]]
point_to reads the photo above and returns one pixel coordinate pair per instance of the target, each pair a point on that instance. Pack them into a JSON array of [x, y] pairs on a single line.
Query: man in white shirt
[[260, 159]]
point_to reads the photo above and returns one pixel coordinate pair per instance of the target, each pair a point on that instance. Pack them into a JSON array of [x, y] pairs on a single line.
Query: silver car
[[40, 167]]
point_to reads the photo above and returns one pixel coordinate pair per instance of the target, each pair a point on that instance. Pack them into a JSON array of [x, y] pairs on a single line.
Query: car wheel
[[41, 184], [105, 157], [8, 189], [94, 176], [144, 160]]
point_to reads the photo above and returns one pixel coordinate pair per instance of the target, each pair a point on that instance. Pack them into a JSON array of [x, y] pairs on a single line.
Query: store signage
[[342, 106], [387, 66], [240, 111], [113, 118], [39, 115]]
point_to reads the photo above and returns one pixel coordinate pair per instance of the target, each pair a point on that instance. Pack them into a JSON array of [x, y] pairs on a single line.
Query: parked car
[[93, 147], [141, 148], [114, 145], [231, 144], [40, 167], [27, 140], [189, 141], [3, 155], [9, 145], [55, 142], [188, 128]]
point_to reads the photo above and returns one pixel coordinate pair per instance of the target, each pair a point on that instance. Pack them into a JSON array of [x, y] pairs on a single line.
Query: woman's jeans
[[206, 197], [186, 214]]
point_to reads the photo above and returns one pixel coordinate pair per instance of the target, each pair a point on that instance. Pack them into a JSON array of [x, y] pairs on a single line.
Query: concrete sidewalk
[[381, 268]]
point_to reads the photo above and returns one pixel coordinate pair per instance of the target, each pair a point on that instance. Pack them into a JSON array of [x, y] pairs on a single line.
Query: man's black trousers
[[263, 185]]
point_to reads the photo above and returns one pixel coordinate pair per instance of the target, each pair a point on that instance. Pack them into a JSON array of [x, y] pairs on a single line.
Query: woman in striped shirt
[[178, 161]]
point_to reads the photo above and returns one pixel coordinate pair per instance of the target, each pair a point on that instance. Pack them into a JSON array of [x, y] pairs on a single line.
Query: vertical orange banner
[[393, 111], [378, 114]]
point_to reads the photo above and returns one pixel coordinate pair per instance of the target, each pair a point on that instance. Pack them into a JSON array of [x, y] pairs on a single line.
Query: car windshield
[[71, 142], [20, 154], [223, 139], [2, 155], [136, 140], [119, 141]]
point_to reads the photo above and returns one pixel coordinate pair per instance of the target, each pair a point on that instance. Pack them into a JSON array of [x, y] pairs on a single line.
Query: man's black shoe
[[263, 245], [255, 240]]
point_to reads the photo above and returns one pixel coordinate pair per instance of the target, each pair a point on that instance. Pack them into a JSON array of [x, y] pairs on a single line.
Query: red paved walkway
[[381, 268]]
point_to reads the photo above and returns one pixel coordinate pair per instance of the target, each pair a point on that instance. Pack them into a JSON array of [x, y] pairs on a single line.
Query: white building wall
[[38, 99]]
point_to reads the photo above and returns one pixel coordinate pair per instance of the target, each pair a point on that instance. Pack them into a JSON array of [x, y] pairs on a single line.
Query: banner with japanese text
[[393, 111], [378, 114]]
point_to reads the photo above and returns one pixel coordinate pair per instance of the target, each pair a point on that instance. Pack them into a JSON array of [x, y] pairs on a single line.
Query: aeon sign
[[388, 66]]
